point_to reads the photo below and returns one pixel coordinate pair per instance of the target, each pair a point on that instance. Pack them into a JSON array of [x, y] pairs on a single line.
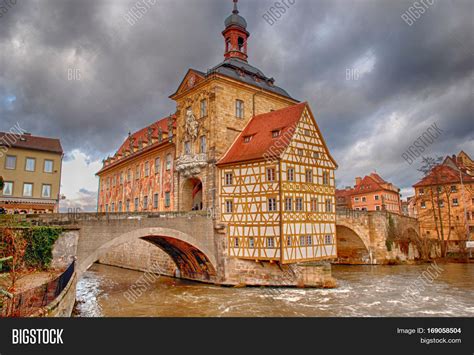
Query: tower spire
[[236, 10]]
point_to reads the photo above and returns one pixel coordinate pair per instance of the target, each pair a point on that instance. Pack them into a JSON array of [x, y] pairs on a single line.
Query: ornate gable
[[191, 79]]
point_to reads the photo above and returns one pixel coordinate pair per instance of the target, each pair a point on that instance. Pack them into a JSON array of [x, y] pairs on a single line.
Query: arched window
[[241, 43]]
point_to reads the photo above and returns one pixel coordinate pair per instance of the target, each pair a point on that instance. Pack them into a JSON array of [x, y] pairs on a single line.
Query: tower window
[[227, 44], [239, 109], [241, 43], [276, 134]]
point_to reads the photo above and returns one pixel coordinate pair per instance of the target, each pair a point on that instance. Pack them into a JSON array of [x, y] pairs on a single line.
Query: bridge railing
[[73, 217], [29, 302]]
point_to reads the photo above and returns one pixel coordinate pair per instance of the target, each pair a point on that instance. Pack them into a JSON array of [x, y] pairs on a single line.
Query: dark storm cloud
[[411, 76]]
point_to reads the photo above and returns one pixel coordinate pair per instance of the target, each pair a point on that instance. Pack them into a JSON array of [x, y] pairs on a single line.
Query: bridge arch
[[352, 245], [193, 260]]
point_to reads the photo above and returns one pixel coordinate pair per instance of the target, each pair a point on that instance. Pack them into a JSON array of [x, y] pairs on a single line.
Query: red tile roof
[[260, 129], [444, 174], [30, 142], [142, 135], [372, 183]]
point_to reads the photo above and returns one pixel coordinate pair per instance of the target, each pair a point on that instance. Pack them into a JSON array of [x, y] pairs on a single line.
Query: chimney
[[358, 180]]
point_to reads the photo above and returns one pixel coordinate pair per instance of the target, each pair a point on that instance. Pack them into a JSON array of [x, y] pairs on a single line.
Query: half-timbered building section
[[140, 176], [308, 190], [277, 189]]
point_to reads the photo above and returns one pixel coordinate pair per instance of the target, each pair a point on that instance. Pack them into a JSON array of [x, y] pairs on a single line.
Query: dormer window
[[276, 133], [248, 139]]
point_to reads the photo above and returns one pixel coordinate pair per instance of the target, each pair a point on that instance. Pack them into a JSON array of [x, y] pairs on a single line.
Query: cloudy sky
[[374, 82]]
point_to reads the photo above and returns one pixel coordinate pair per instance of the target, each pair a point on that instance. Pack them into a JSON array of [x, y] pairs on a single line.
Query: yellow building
[[31, 169], [444, 200], [278, 190]]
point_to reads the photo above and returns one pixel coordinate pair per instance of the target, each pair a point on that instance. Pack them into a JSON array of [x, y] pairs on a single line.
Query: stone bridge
[[189, 239], [364, 237], [197, 246]]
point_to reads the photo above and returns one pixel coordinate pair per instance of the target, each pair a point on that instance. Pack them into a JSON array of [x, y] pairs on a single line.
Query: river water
[[364, 291]]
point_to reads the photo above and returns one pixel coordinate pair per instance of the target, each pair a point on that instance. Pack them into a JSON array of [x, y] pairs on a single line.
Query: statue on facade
[[191, 126], [150, 136], [160, 135]]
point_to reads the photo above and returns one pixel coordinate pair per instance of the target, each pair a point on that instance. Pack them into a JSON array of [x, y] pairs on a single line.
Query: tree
[[438, 193], [2, 183]]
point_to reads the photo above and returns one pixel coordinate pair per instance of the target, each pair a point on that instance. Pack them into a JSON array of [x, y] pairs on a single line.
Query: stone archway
[[192, 195], [351, 248], [193, 261]]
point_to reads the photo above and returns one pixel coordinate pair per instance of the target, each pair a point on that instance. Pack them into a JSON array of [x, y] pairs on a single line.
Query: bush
[[40, 242]]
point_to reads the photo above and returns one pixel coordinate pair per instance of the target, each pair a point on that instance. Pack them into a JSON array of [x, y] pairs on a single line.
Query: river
[[364, 291]]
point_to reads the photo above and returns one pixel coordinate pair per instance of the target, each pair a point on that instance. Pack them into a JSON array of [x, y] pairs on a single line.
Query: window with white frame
[[30, 164], [302, 241], [27, 189], [314, 205], [290, 174], [288, 204], [167, 199], [328, 206], [145, 202], [157, 166], [325, 178], [229, 179], [309, 240], [270, 242], [328, 240], [299, 204], [309, 176], [137, 204], [272, 204], [10, 162], [48, 166], [455, 202], [147, 169], [271, 174], [251, 242], [289, 241], [46, 191], [8, 188], [229, 206]]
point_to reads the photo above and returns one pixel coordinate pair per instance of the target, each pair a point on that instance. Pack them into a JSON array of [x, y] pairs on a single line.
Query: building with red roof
[[240, 147], [444, 200], [371, 193], [31, 168]]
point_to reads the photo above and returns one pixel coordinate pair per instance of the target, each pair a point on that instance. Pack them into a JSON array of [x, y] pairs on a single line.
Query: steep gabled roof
[[444, 174], [26, 141], [259, 131]]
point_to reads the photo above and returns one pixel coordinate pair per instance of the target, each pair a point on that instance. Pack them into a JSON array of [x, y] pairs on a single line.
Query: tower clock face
[[191, 81]]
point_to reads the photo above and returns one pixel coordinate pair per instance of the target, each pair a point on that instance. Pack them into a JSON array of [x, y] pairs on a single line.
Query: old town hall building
[[240, 146]]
